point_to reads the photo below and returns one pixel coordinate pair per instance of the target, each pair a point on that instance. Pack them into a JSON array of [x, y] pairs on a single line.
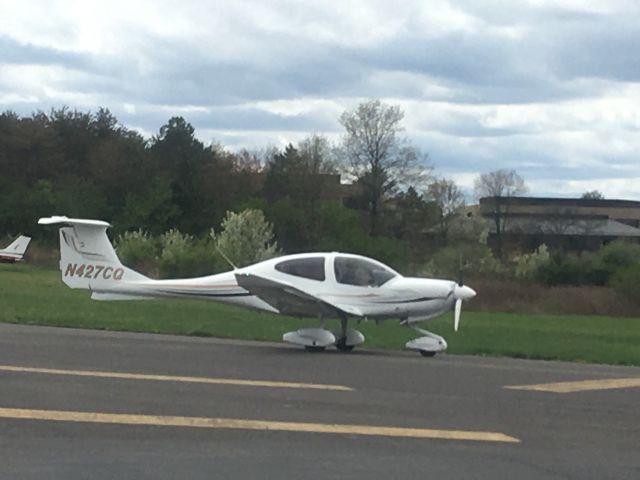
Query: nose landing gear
[[428, 345]]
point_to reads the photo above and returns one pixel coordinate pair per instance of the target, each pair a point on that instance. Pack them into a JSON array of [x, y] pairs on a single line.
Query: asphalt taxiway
[[86, 404]]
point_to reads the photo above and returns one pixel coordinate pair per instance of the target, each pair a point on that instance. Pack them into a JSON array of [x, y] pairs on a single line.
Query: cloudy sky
[[550, 88]]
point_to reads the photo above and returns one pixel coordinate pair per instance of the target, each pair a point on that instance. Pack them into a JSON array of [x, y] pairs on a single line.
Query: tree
[[246, 238], [593, 195], [379, 158], [449, 199], [317, 155], [190, 168], [498, 185], [298, 180], [412, 215]]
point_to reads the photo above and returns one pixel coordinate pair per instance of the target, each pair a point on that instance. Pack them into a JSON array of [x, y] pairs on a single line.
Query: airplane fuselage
[[405, 298]]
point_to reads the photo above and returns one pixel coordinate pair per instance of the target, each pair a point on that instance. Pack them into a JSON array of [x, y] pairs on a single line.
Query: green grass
[[31, 295]]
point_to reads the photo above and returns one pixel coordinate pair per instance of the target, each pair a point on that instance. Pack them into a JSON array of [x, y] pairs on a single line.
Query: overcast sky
[[550, 88]]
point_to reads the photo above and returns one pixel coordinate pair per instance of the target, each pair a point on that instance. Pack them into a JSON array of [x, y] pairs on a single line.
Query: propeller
[[460, 292], [456, 314]]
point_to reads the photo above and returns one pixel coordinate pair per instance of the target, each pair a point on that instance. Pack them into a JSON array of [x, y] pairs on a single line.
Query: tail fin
[[18, 246], [87, 258]]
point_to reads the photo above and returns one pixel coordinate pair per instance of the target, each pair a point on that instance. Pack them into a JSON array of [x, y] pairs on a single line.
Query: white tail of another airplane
[[87, 258], [15, 251]]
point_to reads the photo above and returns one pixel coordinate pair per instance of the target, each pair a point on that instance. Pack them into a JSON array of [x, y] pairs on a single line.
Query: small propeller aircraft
[[322, 285], [14, 252]]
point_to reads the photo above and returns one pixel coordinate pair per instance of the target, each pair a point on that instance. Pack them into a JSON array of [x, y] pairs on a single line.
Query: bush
[[572, 270], [618, 255], [137, 250], [527, 264], [626, 281], [246, 238], [474, 258], [183, 256], [597, 268]]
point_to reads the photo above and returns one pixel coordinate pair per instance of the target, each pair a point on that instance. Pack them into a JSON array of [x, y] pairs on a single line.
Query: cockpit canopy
[[361, 272], [348, 270]]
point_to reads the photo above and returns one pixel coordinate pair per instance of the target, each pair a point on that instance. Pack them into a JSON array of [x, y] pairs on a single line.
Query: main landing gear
[[348, 338], [318, 339]]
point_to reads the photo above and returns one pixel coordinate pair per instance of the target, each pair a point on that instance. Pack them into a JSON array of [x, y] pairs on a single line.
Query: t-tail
[[15, 251], [88, 260]]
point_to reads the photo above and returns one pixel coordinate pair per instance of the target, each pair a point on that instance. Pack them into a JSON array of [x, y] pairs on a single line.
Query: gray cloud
[[231, 72]]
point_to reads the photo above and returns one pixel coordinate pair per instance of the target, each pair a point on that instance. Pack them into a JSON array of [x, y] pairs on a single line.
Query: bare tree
[[499, 185], [449, 199], [380, 159], [317, 154]]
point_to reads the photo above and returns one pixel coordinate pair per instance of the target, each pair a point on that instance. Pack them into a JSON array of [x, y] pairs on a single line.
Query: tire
[[310, 348], [340, 345]]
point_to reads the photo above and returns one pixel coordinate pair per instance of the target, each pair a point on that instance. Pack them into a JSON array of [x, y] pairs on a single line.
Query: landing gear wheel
[[313, 348], [426, 353], [342, 346]]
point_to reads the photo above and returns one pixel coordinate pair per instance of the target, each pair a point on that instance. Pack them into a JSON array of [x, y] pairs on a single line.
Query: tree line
[[170, 198], [86, 164]]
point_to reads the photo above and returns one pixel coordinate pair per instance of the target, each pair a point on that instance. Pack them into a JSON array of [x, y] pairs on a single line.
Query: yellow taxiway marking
[[170, 378], [241, 424], [580, 386]]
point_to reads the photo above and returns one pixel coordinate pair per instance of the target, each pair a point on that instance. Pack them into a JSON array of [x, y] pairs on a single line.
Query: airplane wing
[[290, 300]]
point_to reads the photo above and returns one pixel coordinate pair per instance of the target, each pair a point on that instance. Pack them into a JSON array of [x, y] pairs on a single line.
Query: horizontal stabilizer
[[72, 221]]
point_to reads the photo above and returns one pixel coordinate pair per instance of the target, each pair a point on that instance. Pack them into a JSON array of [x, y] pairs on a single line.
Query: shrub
[[137, 250], [626, 282], [527, 264], [246, 238], [183, 256], [572, 270], [175, 254], [597, 268], [618, 255], [475, 259]]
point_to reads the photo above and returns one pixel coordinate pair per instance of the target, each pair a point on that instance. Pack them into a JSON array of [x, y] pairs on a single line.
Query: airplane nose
[[464, 293]]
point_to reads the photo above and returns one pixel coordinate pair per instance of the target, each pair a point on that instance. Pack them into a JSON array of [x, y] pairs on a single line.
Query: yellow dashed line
[[230, 423], [580, 386], [169, 378]]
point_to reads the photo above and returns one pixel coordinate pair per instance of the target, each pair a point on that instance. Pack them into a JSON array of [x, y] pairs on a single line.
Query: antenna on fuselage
[[219, 250]]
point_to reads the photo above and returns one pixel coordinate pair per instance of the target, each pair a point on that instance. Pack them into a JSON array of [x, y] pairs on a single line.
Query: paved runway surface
[[82, 404]]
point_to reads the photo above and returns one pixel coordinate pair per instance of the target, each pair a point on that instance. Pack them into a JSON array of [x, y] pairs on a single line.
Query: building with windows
[[570, 224]]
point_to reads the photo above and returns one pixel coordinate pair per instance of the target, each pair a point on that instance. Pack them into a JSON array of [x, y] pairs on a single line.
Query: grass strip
[[36, 296]]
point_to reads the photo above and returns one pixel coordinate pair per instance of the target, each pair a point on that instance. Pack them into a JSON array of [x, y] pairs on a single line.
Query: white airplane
[[14, 252], [323, 285]]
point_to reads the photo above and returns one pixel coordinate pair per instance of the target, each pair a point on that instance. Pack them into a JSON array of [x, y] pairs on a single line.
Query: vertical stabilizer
[[15, 251], [87, 258]]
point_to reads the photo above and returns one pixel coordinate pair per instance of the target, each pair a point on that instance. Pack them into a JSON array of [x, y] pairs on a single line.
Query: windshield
[[361, 272]]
